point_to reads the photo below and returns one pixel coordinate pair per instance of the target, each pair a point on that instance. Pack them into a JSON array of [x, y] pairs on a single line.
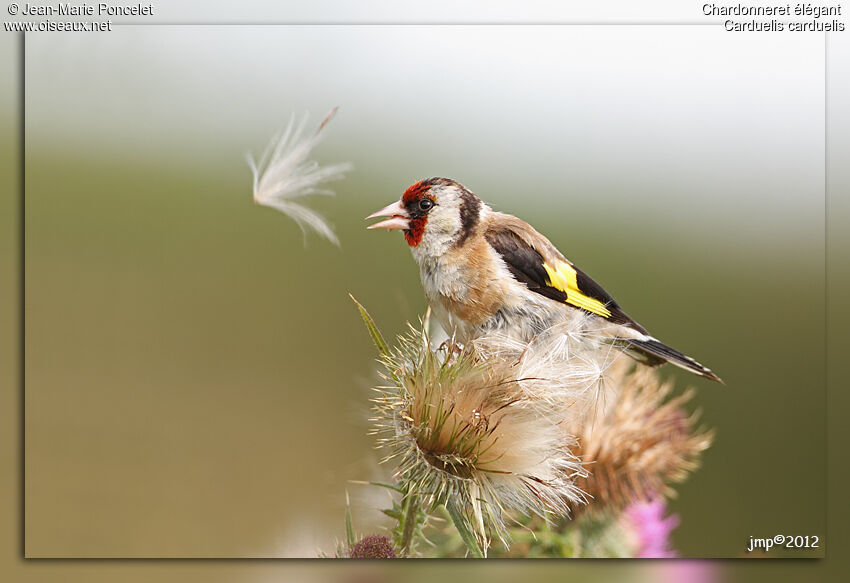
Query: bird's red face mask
[[410, 214]]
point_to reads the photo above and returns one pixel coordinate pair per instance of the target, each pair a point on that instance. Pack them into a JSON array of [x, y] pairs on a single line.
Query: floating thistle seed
[[284, 173], [641, 444], [481, 427]]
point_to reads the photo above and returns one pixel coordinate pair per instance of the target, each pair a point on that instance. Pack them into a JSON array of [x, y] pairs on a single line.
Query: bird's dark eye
[[425, 204]]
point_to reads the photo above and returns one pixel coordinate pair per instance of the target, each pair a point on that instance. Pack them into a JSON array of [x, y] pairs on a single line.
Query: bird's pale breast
[[470, 291]]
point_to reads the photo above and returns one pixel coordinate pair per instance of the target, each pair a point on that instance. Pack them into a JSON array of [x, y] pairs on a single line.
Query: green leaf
[[349, 527], [388, 486], [377, 338], [407, 524], [467, 536], [392, 513]]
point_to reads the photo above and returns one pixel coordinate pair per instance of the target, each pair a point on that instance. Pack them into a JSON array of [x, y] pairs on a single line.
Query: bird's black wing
[[556, 278]]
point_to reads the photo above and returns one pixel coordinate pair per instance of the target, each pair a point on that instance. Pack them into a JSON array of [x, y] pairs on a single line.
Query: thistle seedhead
[[284, 173], [641, 444], [482, 426]]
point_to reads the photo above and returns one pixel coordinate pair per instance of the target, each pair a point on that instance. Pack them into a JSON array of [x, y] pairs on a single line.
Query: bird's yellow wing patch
[[565, 278]]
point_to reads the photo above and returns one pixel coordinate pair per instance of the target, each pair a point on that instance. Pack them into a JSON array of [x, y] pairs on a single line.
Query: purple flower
[[651, 528], [373, 546]]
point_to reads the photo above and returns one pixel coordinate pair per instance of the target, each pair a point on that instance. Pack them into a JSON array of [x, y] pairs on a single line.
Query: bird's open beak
[[399, 218]]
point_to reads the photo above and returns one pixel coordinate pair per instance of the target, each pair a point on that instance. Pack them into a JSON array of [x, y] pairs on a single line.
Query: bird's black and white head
[[435, 215]]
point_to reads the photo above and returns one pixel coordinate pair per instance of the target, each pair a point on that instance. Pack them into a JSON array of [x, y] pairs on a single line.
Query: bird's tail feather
[[653, 352]]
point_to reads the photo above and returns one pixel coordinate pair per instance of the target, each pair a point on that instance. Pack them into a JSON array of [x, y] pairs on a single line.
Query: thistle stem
[[463, 530], [410, 516]]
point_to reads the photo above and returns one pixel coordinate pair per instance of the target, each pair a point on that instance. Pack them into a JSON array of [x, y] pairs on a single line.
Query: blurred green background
[[197, 378]]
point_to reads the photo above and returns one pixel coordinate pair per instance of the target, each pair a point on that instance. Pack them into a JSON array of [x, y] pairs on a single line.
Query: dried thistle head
[[284, 173], [482, 426], [641, 444]]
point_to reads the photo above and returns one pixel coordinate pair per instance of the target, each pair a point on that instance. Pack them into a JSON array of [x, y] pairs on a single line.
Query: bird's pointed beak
[[399, 218]]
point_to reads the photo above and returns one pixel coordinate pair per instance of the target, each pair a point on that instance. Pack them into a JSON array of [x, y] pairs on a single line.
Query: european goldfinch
[[486, 271]]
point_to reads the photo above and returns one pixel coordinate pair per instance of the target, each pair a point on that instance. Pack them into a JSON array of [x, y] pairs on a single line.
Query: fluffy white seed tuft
[[285, 173]]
